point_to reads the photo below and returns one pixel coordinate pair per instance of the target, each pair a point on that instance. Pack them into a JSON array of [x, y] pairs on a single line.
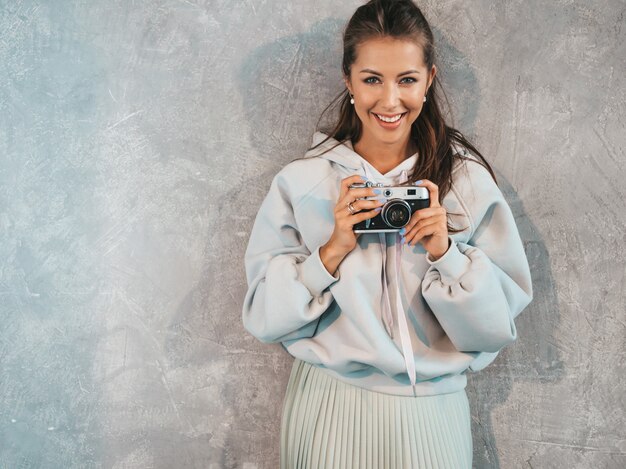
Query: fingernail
[[402, 231], [378, 209], [382, 198], [377, 191], [417, 182], [402, 239]]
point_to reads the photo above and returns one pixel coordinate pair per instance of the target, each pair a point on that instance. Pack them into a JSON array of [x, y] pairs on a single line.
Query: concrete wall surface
[[137, 140]]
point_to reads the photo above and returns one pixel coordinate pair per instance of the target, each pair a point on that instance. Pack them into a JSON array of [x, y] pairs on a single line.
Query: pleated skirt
[[327, 423]]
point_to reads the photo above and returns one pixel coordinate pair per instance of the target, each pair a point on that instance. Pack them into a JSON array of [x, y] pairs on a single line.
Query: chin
[[395, 135]]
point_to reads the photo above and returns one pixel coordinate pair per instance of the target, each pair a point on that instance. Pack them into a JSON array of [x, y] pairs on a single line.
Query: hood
[[344, 155]]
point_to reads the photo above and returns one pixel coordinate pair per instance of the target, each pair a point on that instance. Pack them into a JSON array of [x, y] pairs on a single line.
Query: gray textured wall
[[137, 140]]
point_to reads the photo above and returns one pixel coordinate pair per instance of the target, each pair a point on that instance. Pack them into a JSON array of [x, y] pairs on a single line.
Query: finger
[[363, 204], [345, 184], [359, 206], [424, 230], [421, 224], [423, 214], [358, 193], [433, 190], [361, 216]]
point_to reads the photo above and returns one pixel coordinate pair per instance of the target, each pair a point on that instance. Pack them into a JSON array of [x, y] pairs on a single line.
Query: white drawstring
[[405, 338]]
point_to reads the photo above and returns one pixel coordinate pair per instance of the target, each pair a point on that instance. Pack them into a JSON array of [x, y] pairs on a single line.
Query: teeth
[[389, 119]]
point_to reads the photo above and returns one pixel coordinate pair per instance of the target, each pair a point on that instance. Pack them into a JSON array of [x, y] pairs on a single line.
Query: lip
[[389, 125]]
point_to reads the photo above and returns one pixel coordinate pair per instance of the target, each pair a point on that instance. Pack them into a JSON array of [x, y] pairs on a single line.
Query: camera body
[[402, 202]]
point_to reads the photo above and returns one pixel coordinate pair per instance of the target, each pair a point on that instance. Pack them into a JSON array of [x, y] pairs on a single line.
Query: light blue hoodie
[[416, 337]]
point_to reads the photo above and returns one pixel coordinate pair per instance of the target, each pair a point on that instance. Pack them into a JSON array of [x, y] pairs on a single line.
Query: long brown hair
[[433, 138]]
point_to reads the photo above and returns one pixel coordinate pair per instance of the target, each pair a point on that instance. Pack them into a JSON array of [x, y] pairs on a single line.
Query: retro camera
[[402, 202]]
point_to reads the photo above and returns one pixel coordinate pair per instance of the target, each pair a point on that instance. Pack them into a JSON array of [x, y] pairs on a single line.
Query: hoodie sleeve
[[287, 283], [476, 289]]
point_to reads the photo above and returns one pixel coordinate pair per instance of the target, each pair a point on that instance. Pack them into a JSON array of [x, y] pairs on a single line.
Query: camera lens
[[396, 214]]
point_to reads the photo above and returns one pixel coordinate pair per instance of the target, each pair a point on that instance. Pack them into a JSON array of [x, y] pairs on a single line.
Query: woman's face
[[389, 78]]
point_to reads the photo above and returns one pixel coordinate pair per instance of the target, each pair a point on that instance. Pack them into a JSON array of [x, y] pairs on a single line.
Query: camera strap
[[387, 314]]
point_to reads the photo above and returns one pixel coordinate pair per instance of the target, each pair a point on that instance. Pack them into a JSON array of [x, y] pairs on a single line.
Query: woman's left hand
[[429, 225]]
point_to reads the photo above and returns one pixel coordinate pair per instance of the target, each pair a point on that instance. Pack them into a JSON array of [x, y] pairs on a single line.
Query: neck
[[384, 156]]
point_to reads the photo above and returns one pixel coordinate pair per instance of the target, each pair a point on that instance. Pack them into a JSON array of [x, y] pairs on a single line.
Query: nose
[[390, 99]]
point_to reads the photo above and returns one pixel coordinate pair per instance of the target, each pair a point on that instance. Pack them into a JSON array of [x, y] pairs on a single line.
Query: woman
[[384, 326]]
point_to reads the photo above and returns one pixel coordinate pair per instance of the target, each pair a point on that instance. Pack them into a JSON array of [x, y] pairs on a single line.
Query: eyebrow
[[369, 70]]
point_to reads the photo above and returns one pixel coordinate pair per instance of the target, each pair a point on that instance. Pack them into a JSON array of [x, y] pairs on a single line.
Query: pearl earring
[[424, 98], [351, 99]]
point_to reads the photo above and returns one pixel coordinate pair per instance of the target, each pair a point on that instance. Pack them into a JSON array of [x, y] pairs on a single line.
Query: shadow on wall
[[285, 85], [532, 358]]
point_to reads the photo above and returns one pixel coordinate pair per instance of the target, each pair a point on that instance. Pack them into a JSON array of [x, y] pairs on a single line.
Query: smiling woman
[[388, 83], [384, 327]]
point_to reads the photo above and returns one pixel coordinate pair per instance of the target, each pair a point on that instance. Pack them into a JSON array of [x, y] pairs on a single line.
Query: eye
[[413, 80], [370, 78]]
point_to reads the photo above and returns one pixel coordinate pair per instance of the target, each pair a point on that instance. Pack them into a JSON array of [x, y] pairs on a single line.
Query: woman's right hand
[[343, 238]]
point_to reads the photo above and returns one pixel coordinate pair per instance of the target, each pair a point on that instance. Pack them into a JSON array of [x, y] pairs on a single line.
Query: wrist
[[331, 258], [434, 257]]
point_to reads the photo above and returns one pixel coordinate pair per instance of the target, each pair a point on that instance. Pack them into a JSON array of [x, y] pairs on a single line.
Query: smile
[[389, 119], [389, 122]]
